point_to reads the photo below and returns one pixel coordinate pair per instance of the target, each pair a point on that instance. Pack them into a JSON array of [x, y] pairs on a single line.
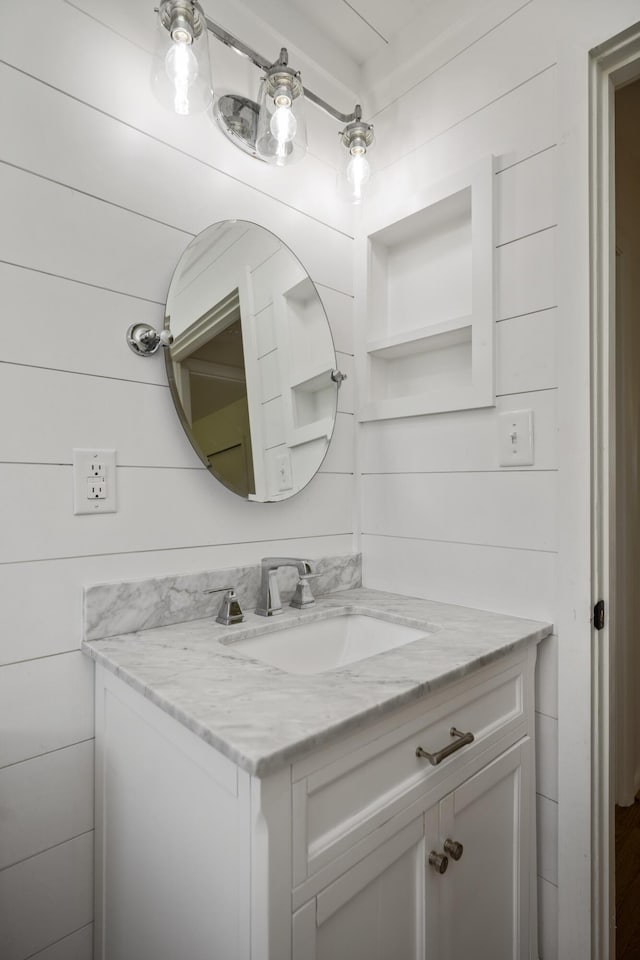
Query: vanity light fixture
[[181, 73], [357, 137], [274, 128], [282, 128]]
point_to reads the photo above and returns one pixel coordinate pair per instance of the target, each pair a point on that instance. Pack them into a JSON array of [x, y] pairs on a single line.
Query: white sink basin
[[322, 645]]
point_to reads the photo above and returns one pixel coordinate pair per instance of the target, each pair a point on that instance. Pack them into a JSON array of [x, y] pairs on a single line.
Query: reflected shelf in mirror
[[252, 365]]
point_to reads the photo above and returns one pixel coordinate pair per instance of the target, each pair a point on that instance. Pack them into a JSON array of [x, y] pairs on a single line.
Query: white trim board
[[612, 65]]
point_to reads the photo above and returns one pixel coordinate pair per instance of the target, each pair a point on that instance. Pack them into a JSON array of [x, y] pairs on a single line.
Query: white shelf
[[434, 337], [435, 265]]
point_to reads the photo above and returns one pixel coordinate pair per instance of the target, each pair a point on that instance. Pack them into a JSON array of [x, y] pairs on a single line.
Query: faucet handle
[[229, 611], [303, 596]]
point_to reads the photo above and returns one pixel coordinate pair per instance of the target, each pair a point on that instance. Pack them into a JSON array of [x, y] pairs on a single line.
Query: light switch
[[283, 471], [94, 481], [515, 438]]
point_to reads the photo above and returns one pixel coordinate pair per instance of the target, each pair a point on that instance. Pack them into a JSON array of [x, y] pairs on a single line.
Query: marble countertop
[[263, 718]]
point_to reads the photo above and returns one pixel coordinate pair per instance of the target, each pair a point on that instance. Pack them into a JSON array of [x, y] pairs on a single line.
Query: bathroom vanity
[[380, 809]]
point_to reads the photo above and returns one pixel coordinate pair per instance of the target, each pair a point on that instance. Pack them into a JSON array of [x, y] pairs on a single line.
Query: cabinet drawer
[[349, 795]]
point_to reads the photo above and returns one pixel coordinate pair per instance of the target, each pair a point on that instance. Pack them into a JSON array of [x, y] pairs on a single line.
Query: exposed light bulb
[[181, 66], [358, 173], [283, 124], [282, 131]]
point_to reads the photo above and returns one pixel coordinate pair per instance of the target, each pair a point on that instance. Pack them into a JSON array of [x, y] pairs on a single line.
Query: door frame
[[612, 64]]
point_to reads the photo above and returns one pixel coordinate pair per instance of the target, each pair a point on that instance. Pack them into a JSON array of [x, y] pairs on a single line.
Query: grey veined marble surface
[[263, 718], [114, 608]]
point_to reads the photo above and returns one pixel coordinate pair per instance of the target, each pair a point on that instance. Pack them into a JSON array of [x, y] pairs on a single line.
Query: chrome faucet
[[269, 603]]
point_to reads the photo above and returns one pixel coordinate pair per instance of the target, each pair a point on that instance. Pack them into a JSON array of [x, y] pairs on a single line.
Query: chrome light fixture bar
[[272, 129]]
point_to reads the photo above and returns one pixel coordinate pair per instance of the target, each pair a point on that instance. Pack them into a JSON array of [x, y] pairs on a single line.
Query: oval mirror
[[252, 361]]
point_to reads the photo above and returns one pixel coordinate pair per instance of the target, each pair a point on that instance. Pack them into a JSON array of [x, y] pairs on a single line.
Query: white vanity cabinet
[[483, 905], [374, 911], [327, 857], [396, 904]]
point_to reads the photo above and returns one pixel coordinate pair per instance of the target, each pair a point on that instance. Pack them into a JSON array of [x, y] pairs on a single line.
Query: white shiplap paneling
[[518, 582], [444, 470], [526, 275], [507, 509], [92, 226], [73, 410], [526, 197], [457, 441], [45, 898], [77, 946], [107, 245], [513, 128], [29, 825], [430, 39], [526, 353], [446, 97], [79, 328], [182, 507], [45, 705], [73, 326]]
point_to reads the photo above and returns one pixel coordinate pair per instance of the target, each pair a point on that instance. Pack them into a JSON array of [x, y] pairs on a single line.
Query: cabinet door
[[375, 911], [480, 907]]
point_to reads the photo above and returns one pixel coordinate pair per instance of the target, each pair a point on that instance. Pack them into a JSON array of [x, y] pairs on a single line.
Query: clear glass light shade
[[355, 171], [282, 125], [181, 69]]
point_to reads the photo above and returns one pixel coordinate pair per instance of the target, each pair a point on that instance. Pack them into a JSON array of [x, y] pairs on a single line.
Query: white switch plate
[[283, 469], [94, 481], [515, 438]]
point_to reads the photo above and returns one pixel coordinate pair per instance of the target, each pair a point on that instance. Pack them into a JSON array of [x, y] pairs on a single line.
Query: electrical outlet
[[94, 481], [97, 489]]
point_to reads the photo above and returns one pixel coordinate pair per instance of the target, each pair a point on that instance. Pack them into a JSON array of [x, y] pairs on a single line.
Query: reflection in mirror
[[251, 363]]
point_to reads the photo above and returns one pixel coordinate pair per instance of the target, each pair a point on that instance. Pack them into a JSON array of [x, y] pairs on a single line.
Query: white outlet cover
[[515, 438], [91, 465]]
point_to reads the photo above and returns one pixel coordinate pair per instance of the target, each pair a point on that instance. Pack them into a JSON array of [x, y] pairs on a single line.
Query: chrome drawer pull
[[434, 758]]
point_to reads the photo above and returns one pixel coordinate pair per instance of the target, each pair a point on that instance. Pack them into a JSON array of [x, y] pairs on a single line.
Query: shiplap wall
[[89, 232], [439, 517], [100, 191]]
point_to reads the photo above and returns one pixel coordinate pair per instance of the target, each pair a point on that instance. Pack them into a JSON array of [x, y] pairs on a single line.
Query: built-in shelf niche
[[314, 407], [310, 403], [430, 302]]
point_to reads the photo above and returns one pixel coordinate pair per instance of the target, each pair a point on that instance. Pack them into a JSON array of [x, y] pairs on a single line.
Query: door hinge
[[598, 615]]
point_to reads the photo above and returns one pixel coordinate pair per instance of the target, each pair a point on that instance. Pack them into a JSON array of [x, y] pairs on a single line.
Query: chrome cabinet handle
[[453, 848], [462, 739], [438, 861]]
